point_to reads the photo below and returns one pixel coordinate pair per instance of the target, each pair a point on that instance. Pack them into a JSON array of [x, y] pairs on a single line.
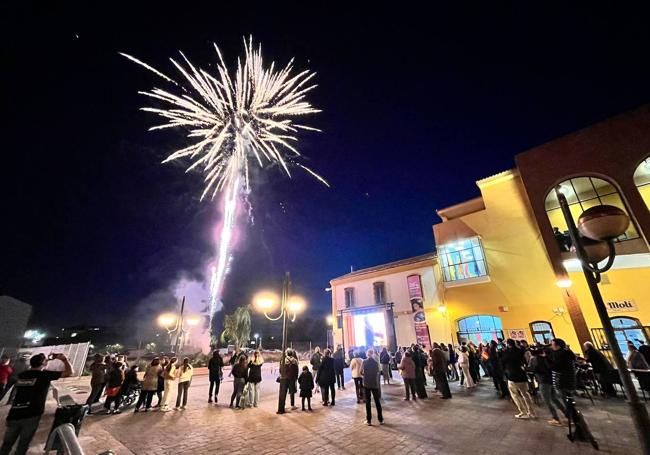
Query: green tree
[[237, 327]]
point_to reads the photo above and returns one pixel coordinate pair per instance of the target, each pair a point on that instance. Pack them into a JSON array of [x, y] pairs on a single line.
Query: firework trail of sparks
[[231, 123]]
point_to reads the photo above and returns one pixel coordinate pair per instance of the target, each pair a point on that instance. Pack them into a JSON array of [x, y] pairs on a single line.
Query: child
[[306, 381]]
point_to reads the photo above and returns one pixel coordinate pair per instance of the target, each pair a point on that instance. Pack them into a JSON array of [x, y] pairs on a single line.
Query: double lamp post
[[593, 242]]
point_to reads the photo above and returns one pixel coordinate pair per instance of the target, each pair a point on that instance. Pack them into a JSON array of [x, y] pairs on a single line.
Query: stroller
[[131, 395]]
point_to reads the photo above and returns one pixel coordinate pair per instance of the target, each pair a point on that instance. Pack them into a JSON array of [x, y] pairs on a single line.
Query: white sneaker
[[521, 415]]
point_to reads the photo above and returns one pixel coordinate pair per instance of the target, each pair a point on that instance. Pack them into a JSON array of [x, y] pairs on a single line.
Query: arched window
[[628, 329], [642, 180], [542, 332], [481, 328], [583, 193]]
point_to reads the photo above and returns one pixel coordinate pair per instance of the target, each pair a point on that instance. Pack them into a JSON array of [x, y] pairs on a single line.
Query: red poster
[[415, 287], [422, 335]]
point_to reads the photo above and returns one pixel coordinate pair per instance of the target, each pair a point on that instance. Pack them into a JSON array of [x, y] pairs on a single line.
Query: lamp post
[[175, 327], [265, 302], [257, 340], [330, 326], [599, 226]]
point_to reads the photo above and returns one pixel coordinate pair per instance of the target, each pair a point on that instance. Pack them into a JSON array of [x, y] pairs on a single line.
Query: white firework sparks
[[230, 122]]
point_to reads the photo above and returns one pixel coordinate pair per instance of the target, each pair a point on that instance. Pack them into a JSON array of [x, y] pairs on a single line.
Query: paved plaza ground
[[473, 422]]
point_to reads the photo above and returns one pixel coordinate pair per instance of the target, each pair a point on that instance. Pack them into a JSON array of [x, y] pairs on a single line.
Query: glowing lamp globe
[[167, 319], [603, 222], [296, 304], [265, 301]]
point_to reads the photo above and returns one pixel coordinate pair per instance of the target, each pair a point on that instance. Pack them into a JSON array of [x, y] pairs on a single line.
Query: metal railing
[[68, 441]]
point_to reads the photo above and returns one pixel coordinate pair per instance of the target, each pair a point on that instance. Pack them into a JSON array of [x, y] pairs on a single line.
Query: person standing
[[149, 385], [113, 388], [306, 382], [254, 378], [496, 368], [29, 403], [315, 361], [398, 355], [370, 373], [644, 349], [562, 361], [513, 365], [97, 380], [355, 369], [420, 365], [339, 367], [453, 360], [463, 363], [234, 358], [407, 370], [215, 370], [384, 360], [635, 360], [240, 376], [184, 373], [169, 376], [540, 366], [5, 373], [602, 368], [326, 378], [292, 376], [439, 371], [161, 381]]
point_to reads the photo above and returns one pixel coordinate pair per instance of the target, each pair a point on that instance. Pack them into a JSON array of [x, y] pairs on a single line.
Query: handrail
[[67, 438]]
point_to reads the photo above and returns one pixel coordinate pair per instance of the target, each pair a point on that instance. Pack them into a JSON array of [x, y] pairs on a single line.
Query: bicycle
[[582, 431]]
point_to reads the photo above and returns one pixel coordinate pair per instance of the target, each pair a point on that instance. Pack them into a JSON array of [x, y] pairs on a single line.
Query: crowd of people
[[516, 369]]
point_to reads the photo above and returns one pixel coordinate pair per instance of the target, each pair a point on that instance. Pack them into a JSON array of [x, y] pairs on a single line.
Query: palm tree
[[237, 327]]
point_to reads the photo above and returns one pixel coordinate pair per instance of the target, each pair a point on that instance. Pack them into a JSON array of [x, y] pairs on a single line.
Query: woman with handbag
[[240, 375], [113, 387]]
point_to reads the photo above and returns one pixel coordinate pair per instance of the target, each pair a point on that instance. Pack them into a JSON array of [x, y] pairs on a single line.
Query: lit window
[[349, 297], [542, 332], [480, 329], [582, 193], [462, 260], [642, 180], [379, 290]]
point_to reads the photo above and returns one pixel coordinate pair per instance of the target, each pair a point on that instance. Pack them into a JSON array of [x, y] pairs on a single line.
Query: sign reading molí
[[618, 306]]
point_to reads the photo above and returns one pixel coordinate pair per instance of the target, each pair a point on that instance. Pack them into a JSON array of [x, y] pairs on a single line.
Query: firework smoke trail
[[231, 123], [219, 271]]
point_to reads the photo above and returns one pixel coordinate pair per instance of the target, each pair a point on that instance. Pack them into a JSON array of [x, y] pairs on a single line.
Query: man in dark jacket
[[644, 349], [326, 378], [496, 367], [513, 365], [339, 366], [439, 370], [215, 368], [563, 370], [370, 373], [315, 361], [420, 378], [602, 368]]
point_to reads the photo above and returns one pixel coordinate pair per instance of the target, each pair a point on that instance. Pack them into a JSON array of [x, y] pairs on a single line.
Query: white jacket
[[355, 367]]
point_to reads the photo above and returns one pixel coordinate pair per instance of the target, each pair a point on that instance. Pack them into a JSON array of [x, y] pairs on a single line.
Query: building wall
[[521, 277], [14, 316], [396, 293]]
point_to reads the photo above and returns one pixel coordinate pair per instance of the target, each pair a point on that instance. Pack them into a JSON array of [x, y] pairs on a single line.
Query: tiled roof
[[390, 265]]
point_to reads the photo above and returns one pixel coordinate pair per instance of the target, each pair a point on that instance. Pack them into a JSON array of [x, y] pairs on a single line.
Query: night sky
[[417, 105]]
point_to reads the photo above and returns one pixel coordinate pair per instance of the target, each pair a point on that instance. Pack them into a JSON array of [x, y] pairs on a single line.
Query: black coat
[[214, 367], [254, 373], [326, 374], [306, 382], [339, 361], [513, 364], [598, 361]]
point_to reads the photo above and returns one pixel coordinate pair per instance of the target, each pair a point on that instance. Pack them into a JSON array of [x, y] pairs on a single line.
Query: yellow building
[[501, 255]]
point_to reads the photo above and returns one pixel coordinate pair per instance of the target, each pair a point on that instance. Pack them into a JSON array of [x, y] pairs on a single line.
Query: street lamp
[[330, 324], [257, 339], [175, 326], [267, 301], [593, 242]]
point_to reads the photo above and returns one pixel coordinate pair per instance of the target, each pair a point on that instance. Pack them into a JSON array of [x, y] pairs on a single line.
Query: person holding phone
[[29, 403]]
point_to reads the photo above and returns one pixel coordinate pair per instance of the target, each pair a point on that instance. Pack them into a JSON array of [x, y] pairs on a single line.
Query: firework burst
[[232, 121]]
